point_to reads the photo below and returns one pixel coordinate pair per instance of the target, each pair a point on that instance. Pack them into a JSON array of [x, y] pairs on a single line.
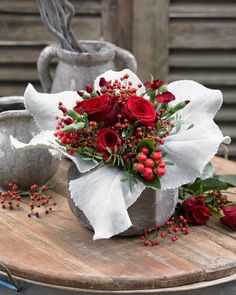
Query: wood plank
[[10, 54], [31, 28], [206, 76], [150, 38], [20, 72], [226, 115], [31, 7], [118, 32], [229, 94], [200, 33], [202, 58], [12, 88], [194, 9]]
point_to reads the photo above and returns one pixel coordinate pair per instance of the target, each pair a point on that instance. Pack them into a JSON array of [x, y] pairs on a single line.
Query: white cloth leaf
[[104, 199], [191, 149], [46, 140], [114, 75], [44, 106]]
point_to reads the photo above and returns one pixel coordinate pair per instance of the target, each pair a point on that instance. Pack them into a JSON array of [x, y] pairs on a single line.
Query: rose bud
[[229, 218], [154, 84], [165, 97]]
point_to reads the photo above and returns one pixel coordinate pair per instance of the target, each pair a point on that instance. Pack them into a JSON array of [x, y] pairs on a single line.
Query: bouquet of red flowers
[[118, 126]]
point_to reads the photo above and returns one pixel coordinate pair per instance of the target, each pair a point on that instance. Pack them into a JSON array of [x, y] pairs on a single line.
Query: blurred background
[[171, 39]]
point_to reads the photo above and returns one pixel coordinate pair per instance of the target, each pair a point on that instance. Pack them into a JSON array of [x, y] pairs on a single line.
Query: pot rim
[[105, 53], [14, 113], [11, 99]]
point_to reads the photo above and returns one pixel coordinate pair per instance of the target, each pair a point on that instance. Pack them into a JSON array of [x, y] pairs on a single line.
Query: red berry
[[139, 167], [148, 174], [145, 150], [156, 156], [160, 171], [142, 158], [174, 238], [162, 165], [149, 163], [146, 243]]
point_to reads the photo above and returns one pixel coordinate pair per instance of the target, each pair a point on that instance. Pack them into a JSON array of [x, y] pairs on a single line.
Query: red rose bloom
[[229, 217], [107, 138], [100, 108], [154, 84], [139, 109], [165, 97], [195, 210]]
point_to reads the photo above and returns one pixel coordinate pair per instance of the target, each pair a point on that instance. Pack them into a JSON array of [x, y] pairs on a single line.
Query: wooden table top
[[56, 249]]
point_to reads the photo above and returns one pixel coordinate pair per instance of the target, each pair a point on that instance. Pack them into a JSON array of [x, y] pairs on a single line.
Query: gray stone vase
[[151, 207], [26, 167], [76, 69]]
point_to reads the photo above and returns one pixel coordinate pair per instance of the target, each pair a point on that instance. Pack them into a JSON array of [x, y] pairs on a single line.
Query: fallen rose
[[195, 210], [229, 218]]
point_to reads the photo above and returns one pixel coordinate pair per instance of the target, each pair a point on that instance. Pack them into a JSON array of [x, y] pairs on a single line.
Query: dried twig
[[57, 16]]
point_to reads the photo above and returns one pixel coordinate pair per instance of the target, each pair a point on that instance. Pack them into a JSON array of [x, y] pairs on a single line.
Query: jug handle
[[43, 66], [127, 57]]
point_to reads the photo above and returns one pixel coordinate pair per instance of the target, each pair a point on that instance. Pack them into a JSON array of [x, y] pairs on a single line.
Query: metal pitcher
[[27, 167], [76, 69]]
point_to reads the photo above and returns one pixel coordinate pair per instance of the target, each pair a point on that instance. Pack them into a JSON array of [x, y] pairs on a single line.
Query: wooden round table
[[56, 255]]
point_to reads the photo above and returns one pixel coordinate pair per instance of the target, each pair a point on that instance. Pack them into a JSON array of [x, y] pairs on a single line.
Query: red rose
[[100, 108], [195, 210], [107, 138], [165, 97], [229, 217], [138, 108], [154, 84]]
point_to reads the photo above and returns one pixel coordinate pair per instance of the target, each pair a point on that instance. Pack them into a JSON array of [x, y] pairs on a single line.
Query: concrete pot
[[151, 207], [76, 69], [27, 167]]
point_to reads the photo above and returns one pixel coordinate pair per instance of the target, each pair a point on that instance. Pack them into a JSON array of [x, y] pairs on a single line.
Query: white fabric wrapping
[[104, 199]]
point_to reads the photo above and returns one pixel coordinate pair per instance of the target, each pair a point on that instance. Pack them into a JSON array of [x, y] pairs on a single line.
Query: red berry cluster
[[36, 199], [150, 163], [171, 229]]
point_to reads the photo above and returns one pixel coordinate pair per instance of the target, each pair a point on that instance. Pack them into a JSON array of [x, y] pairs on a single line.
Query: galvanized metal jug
[[76, 69], [27, 167]]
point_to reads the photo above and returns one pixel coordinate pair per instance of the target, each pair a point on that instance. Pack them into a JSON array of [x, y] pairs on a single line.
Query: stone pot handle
[[43, 64], [127, 57]]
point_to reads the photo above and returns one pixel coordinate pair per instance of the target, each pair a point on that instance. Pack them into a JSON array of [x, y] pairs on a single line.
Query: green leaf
[[74, 126], [74, 115], [196, 186], [168, 163], [162, 89], [208, 171], [147, 142], [213, 183], [156, 184], [230, 179], [209, 199], [190, 126]]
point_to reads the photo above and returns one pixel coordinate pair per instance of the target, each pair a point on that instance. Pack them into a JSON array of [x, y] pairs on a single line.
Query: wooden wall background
[[172, 39]]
